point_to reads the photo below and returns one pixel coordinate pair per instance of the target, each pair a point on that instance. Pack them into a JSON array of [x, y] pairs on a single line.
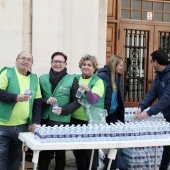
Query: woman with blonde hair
[[114, 98]]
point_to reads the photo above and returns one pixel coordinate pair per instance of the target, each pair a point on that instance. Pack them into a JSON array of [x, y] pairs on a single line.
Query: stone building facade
[[75, 27]]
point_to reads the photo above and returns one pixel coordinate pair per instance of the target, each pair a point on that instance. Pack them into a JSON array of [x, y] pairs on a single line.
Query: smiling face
[[24, 62], [87, 68], [58, 63]]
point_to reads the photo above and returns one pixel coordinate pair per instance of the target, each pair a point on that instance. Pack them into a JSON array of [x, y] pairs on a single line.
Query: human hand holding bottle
[[51, 100], [56, 109], [22, 98], [85, 87], [82, 88]]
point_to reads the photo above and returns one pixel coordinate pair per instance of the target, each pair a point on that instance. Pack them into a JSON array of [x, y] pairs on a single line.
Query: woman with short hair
[[94, 91]]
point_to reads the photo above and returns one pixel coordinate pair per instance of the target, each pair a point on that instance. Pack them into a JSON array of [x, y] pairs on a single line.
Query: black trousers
[[165, 156], [83, 156], [46, 156]]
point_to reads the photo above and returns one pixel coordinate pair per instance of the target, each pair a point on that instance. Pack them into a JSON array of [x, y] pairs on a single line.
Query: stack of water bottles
[[103, 132], [130, 112], [143, 158]]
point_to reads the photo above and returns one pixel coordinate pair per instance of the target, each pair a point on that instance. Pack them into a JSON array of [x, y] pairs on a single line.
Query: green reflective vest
[[100, 103], [13, 86], [61, 93]]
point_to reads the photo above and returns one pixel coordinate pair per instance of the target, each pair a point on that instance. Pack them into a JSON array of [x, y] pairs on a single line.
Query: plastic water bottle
[[36, 133], [113, 133], [79, 93], [102, 133], [72, 134], [79, 134], [53, 138], [60, 134], [136, 133], [28, 92], [84, 133], [96, 133], [67, 134], [43, 135], [127, 114], [49, 134], [126, 134], [55, 105], [90, 133]]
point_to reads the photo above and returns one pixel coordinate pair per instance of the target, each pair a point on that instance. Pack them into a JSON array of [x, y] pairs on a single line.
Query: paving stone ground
[[70, 163]]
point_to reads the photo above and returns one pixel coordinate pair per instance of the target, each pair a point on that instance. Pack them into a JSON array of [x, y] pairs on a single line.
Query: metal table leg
[[23, 155], [91, 159], [156, 151]]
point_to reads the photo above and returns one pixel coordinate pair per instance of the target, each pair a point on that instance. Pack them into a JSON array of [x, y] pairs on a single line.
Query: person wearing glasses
[[160, 89], [58, 86], [94, 90], [20, 105]]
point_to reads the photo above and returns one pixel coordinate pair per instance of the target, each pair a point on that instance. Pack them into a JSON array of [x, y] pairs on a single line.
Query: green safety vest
[[13, 86], [100, 103], [61, 93]]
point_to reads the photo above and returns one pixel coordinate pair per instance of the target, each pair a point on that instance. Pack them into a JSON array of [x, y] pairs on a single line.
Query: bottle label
[[73, 135], [85, 135], [55, 106], [79, 93], [79, 136], [61, 136], [67, 136], [55, 136]]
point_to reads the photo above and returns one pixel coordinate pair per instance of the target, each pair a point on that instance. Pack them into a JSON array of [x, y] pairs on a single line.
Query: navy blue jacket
[[160, 89], [105, 75]]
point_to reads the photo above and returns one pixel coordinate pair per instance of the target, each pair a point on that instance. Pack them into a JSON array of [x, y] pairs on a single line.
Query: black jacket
[[104, 74], [160, 89]]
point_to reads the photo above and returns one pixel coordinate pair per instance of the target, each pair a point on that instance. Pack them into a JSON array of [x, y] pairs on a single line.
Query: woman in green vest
[[61, 86], [93, 88]]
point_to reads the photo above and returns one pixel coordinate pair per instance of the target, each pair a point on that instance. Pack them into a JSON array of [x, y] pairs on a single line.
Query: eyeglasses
[[25, 59], [58, 61]]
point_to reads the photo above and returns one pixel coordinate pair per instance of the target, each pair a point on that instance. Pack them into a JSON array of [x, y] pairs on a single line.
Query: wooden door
[[136, 43], [162, 38]]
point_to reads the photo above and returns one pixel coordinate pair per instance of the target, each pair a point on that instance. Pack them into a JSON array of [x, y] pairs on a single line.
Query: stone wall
[[75, 27]]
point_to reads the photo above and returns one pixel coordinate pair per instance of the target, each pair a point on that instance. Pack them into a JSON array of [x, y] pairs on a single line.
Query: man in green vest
[[58, 86], [20, 105]]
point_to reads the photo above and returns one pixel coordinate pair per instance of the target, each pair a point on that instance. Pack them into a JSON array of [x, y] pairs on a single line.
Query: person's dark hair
[[59, 53], [161, 57]]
